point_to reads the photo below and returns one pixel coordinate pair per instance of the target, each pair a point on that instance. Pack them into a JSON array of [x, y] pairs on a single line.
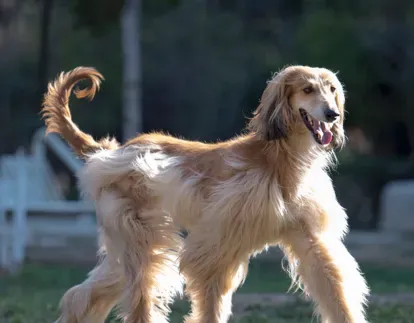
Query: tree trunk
[[43, 62], [132, 110]]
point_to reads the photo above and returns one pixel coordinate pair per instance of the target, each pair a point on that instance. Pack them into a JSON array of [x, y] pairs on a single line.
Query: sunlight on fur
[[235, 198]]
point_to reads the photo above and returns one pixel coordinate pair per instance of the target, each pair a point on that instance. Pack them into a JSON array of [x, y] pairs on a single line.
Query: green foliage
[[100, 16], [97, 15]]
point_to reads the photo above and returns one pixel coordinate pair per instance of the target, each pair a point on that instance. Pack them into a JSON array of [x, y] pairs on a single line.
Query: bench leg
[[19, 236], [4, 241]]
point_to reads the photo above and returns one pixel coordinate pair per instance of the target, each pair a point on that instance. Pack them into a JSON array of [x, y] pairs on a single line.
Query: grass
[[33, 296], [302, 312], [267, 277]]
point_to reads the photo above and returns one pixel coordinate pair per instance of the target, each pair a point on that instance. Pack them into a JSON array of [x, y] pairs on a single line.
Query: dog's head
[[298, 98]]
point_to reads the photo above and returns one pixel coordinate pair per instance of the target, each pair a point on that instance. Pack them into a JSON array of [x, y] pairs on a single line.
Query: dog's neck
[[301, 156], [307, 151], [301, 150], [288, 159]]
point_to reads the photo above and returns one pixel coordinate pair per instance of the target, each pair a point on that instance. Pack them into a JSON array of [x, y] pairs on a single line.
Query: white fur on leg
[[330, 276]]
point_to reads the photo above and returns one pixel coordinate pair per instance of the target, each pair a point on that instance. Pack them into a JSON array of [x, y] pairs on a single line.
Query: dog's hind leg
[[330, 275], [145, 244], [92, 300]]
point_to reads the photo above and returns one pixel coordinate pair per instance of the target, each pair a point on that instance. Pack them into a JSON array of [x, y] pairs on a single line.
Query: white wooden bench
[[27, 185]]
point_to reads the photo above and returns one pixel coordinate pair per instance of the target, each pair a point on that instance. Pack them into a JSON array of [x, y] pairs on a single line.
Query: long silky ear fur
[[339, 137], [272, 119]]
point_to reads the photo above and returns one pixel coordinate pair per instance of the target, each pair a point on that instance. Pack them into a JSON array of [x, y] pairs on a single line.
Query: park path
[[243, 301]]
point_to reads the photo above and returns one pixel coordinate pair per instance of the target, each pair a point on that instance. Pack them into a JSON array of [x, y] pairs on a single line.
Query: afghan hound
[[268, 186]]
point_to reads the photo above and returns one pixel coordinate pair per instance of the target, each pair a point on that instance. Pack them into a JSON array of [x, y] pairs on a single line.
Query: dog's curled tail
[[56, 112]]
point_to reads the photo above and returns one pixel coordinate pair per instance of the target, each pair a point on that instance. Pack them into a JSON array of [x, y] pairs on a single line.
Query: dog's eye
[[333, 89], [308, 90]]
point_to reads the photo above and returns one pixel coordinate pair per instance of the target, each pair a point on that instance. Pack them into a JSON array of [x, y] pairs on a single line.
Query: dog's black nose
[[331, 115]]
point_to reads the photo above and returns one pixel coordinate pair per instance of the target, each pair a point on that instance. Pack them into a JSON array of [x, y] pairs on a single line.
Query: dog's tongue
[[323, 132], [326, 134]]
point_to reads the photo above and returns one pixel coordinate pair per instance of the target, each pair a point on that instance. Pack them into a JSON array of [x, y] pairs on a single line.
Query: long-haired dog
[[266, 187]]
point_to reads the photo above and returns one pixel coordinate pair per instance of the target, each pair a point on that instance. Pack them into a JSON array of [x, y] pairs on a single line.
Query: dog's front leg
[[212, 275], [330, 275]]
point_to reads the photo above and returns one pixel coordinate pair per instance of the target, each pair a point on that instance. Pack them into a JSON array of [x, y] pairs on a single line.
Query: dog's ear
[[273, 117], [339, 137]]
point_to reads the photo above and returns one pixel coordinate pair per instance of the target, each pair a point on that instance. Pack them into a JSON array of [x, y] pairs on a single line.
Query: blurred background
[[196, 69]]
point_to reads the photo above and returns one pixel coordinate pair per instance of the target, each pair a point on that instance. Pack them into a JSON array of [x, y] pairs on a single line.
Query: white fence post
[[20, 214], [4, 234]]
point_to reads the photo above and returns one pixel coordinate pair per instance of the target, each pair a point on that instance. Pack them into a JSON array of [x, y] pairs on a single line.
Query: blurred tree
[[44, 50], [131, 43], [8, 11]]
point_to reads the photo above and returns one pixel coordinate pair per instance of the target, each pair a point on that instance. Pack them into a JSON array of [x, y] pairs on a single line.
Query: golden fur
[[266, 187]]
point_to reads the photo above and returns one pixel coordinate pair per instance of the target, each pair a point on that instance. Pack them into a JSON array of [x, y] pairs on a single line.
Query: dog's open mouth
[[321, 131]]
